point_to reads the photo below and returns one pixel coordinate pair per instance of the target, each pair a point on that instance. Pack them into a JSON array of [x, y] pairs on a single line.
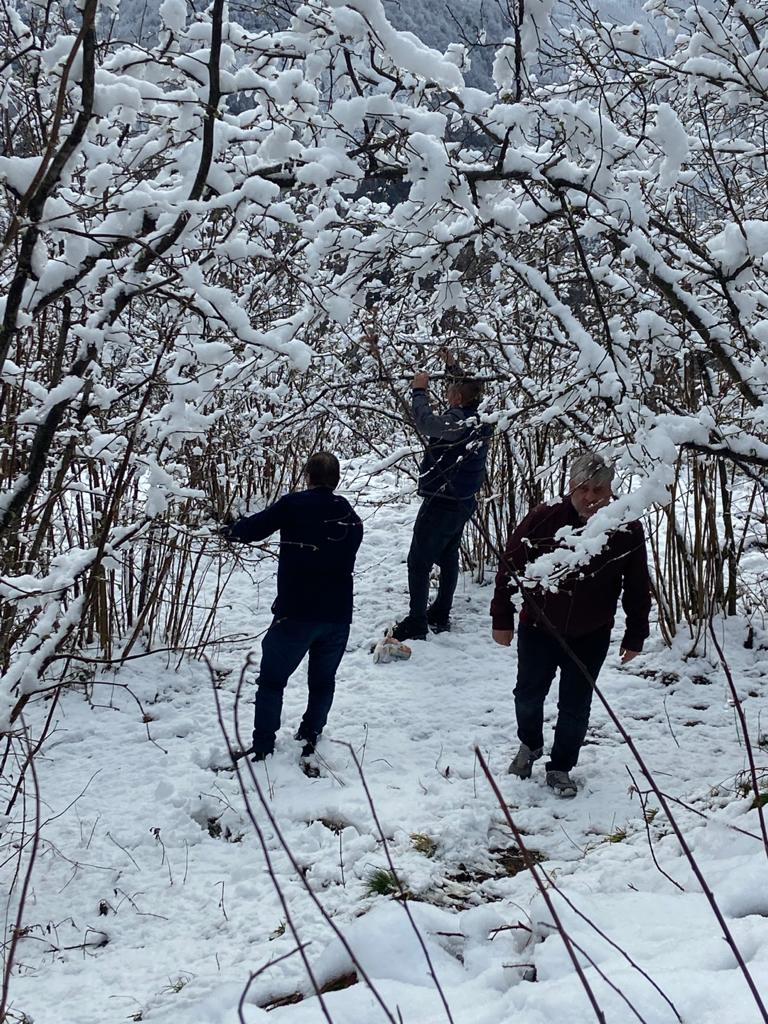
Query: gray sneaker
[[522, 762], [561, 783]]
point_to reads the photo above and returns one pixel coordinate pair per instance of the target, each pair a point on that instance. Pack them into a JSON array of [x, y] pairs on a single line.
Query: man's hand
[[502, 636], [420, 380], [627, 655]]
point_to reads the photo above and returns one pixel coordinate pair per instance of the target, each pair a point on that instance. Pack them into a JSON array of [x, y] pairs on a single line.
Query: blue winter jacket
[[453, 466], [320, 533]]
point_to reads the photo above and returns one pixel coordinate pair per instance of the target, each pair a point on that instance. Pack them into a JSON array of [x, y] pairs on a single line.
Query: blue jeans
[[283, 648], [436, 541], [539, 655]]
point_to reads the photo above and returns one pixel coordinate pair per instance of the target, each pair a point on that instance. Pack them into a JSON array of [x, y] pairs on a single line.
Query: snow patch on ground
[[152, 900]]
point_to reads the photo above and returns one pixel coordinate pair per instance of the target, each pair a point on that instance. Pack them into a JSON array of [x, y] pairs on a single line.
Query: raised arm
[[449, 426]]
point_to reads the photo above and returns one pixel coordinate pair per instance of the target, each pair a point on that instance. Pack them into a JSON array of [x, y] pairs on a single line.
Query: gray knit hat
[[590, 466]]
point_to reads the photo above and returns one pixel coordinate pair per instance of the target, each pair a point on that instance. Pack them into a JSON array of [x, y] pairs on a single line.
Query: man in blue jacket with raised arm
[[451, 473], [319, 537]]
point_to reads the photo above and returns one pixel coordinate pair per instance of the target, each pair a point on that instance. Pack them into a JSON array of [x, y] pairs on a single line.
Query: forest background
[[231, 233]]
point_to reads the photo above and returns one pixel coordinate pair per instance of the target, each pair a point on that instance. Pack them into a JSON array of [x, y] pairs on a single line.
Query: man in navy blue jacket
[[319, 537], [451, 473]]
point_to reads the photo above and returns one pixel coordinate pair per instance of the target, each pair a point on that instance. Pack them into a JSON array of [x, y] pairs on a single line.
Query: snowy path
[[188, 914]]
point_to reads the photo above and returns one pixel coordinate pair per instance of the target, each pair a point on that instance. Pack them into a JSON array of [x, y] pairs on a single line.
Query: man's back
[[320, 534], [457, 447]]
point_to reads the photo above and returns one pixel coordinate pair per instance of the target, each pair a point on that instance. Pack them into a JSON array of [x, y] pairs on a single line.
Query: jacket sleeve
[[355, 533], [511, 564], [450, 426], [636, 593], [258, 526]]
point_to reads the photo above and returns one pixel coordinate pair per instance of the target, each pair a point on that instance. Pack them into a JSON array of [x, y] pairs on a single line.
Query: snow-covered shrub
[[232, 246]]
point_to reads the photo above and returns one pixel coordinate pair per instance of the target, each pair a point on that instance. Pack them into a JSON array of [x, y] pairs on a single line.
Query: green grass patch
[[381, 882]]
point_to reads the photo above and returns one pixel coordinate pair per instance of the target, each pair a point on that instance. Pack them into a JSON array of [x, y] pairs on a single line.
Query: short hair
[[469, 389], [590, 466], [323, 470]]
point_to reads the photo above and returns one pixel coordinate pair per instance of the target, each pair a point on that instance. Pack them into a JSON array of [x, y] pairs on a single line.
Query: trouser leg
[[536, 667], [436, 539], [575, 696], [421, 558], [325, 655], [282, 650], [448, 562]]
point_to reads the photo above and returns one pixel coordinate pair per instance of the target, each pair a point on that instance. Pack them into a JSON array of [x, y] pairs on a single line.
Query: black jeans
[[539, 655], [282, 651], [436, 540]]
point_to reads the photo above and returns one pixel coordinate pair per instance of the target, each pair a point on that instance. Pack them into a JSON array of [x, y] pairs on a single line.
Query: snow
[[230, 328], [148, 856], [173, 14], [19, 172], [406, 50], [672, 140]]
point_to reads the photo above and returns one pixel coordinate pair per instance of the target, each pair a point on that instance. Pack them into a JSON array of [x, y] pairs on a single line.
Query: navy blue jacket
[[454, 463], [320, 533]]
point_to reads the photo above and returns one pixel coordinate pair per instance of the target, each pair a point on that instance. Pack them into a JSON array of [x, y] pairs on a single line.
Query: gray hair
[[590, 466]]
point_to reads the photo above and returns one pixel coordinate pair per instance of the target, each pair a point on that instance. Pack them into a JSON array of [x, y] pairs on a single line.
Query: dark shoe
[[309, 742], [522, 762], [562, 783], [306, 759], [309, 739], [405, 630], [437, 623], [261, 755]]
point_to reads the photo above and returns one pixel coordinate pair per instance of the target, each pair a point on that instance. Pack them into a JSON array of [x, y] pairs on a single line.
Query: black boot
[[436, 622], [406, 629], [310, 742]]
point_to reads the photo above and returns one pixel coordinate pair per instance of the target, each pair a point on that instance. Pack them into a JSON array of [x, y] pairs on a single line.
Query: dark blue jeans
[[539, 655], [436, 541], [283, 648]]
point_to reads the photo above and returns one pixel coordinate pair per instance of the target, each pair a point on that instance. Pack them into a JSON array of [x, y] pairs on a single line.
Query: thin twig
[[532, 866], [403, 892]]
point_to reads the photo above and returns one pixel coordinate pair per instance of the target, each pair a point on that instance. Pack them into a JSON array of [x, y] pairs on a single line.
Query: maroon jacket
[[586, 598]]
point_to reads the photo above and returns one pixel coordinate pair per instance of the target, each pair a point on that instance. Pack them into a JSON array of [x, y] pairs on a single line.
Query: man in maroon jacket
[[568, 628]]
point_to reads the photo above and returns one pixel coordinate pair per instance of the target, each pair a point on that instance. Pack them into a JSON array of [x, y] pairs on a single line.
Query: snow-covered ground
[[151, 898]]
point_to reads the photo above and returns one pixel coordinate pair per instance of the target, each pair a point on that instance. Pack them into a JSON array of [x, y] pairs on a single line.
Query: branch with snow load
[[221, 191]]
